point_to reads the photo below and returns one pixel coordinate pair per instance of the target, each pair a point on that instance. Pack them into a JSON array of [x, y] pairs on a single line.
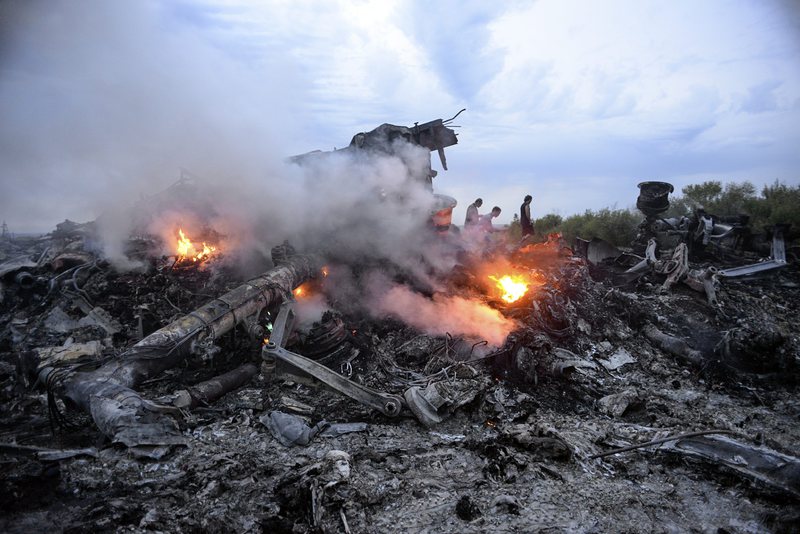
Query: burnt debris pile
[[528, 384]]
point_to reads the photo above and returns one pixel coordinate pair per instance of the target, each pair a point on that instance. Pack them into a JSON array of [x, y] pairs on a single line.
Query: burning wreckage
[[520, 387]]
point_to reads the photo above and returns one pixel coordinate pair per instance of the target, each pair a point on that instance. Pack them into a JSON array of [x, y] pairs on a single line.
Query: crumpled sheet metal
[[777, 260], [775, 469], [17, 264], [438, 400], [596, 250], [292, 430], [131, 420]]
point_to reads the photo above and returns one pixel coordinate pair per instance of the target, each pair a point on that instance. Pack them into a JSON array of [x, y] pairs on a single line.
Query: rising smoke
[[451, 314], [103, 102]]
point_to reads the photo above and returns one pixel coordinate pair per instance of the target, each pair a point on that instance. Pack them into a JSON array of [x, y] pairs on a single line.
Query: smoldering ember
[[381, 370]]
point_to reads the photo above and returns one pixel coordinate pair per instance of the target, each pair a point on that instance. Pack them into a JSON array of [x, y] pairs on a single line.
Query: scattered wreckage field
[[510, 438]]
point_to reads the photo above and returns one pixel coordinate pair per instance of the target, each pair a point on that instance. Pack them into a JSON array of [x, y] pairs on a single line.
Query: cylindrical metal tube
[[24, 279], [167, 347]]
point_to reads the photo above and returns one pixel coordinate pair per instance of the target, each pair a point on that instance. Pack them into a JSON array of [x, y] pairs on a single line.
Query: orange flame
[[186, 249], [513, 287], [184, 245]]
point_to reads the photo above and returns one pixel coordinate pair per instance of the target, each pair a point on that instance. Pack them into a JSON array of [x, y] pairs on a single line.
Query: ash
[[503, 438]]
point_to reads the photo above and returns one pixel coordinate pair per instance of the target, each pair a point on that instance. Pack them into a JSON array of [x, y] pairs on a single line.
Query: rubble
[[193, 398]]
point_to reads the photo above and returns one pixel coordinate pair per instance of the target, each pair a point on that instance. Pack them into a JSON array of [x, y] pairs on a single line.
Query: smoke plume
[[104, 102], [443, 314]]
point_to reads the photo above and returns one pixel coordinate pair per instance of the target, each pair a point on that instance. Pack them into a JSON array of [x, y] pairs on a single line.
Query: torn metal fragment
[[290, 429]]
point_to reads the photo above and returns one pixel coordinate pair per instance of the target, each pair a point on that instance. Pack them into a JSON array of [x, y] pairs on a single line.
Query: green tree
[[736, 199], [617, 226], [549, 223], [515, 229], [733, 199], [778, 203], [705, 194]]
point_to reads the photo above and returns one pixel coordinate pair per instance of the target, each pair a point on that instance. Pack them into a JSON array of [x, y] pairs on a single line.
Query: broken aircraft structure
[[191, 399]]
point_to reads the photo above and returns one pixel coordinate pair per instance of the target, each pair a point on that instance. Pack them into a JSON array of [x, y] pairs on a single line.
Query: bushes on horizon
[[617, 226], [547, 224], [777, 203]]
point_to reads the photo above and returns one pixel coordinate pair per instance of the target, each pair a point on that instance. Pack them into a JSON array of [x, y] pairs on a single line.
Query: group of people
[[476, 221]]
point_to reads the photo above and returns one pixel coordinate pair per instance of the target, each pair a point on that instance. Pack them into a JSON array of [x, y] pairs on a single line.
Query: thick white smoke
[[103, 103]]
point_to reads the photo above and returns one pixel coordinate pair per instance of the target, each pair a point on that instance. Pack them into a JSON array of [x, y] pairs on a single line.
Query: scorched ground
[[581, 372]]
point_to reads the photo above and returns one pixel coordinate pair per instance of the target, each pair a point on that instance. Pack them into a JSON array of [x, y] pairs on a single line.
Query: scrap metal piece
[[426, 404], [704, 280], [325, 337], [676, 268], [673, 345], [777, 470], [24, 279], [778, 246], [97, 316], [387, 404], [752, 269], [211, 390], [434, 135], [15, 265], [439, 400], [653, 197], [69, 352], [283, 325], [597, 250], [777, 261], [334, 430], [705, 225], [294, 405], [107, 392], [649, 259], [254, 328]]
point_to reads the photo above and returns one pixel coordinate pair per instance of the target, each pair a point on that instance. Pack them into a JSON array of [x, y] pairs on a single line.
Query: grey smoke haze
[[103, 101]]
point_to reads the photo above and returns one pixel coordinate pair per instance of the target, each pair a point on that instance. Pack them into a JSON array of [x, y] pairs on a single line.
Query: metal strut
[[387, 404]]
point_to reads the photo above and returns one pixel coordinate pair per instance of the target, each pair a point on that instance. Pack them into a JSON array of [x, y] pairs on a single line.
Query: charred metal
[[521, 386]]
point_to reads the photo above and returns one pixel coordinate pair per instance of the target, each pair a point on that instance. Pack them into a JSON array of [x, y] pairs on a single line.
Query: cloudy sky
[[574, 102]]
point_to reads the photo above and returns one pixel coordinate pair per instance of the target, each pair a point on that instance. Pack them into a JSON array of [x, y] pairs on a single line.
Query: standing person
[[525, 217], [472, 213], [485, 221]]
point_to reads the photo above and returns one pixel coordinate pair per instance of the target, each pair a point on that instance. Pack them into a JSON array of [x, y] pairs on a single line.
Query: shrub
[[777, 203], [548, 223], [617, 226]]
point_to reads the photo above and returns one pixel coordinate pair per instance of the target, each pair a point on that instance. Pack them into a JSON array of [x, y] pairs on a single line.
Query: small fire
[[325, 271], [300, 291], [187, 250], [513, 287]]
